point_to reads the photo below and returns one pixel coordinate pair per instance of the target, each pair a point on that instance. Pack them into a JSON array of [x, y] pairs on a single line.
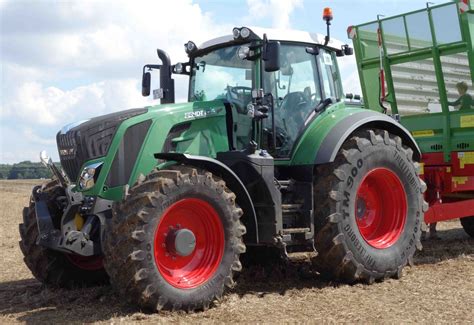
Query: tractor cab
[[292, 74]]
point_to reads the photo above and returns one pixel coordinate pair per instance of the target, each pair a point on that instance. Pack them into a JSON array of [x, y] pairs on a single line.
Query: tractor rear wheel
[[175, 241], [52, 267], [468, 225], [368, 209]]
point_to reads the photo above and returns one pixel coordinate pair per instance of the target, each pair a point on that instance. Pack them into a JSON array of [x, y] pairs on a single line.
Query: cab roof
[[283, 35]]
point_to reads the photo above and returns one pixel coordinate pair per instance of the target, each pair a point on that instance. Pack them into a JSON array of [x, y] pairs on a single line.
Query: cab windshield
[[221, 74]]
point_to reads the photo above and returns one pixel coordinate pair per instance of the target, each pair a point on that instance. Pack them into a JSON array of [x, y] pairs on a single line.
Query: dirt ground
[[438, 289]]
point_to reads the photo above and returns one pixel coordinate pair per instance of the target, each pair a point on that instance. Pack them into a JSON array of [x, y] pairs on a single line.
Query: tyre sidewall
[[207, 290], [468, 225], [361, 163]]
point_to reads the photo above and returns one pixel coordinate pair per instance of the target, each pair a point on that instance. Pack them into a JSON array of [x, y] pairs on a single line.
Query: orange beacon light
[[327, 14]]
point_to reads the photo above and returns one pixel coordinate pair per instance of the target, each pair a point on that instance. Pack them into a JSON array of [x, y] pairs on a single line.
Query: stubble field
[[438, 289]]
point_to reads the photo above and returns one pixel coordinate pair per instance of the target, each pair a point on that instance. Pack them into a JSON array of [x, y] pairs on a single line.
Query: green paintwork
[[206, 136], [305, 150], [449, 134]]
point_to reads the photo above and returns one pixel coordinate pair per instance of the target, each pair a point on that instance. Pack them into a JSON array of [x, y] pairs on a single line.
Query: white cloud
[[278, 10], [349, 74], [66, 61], [30, 134]]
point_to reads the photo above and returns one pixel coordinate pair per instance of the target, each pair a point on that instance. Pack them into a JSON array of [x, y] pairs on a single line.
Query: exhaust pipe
[[166, 82]]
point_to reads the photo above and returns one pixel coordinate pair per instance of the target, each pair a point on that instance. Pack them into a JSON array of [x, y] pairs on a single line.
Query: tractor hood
[[89, 140]]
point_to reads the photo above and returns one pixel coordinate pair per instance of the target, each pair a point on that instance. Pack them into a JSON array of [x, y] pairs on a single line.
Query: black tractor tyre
[[368, 209], [51, 267], [142, 254], [468, 225]]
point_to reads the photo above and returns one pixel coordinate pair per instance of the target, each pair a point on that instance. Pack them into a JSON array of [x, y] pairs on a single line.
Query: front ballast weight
[[81, 222], [45, 251]]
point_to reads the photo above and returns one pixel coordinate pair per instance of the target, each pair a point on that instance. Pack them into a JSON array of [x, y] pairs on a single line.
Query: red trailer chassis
[[450, 191]]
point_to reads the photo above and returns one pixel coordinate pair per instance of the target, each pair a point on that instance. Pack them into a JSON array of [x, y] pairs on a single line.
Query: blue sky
[[63, 61], [306, 15]]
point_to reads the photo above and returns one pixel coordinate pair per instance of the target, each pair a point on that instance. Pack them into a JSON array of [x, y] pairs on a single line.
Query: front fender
[[249, 219]]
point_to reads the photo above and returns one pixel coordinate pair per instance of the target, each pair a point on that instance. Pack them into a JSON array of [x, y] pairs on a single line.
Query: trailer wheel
[[175, 241], [468, 225], [51, 267], [368, 209]]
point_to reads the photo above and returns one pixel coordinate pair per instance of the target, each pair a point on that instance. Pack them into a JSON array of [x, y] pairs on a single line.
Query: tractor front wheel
[[175, 241], [468, 225], [368, 209]]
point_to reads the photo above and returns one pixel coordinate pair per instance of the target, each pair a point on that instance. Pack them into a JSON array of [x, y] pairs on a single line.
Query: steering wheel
[[237, 95]]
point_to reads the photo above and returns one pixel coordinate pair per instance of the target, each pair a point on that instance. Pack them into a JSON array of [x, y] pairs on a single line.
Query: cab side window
[[330, 75], [296, 92]]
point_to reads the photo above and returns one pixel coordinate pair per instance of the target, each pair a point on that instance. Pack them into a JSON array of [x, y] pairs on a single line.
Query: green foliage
[[24, 170]]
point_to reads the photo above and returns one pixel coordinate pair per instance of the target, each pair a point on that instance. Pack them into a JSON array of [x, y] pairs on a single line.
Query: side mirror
[[45, 159], [271, 55], [146, 83]]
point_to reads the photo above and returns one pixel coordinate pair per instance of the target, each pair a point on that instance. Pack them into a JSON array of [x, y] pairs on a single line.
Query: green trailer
[[417, 61]]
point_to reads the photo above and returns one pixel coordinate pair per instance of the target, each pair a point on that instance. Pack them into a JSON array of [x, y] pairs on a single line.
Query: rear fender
[[341, 131]]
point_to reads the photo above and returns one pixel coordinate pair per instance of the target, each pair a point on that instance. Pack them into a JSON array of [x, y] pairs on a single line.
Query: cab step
[[291, 208], [290, 231]]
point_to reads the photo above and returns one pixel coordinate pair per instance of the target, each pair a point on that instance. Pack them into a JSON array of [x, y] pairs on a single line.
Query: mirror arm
[[151, 67]]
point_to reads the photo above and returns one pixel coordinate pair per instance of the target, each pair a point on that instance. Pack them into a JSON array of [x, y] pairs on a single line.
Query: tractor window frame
[[191, 82], [319, 88]]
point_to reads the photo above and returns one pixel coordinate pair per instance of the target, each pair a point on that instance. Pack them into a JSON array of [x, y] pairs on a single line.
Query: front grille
[[89, 140], [71, 160]]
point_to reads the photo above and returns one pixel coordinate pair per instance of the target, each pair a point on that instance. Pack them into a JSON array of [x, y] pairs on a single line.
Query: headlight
[[178, 68], [190, 47], [89, 175], [236, 32], [245, 32]]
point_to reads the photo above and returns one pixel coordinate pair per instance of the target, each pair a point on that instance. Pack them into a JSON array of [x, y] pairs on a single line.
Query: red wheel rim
[[200, 218], [381, 208], [88, 263]]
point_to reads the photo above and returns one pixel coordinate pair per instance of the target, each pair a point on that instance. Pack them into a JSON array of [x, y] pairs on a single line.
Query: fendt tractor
[[418, 60], [266, 155]]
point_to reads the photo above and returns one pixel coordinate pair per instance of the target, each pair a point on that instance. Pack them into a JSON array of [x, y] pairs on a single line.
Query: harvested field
[[438, 289]]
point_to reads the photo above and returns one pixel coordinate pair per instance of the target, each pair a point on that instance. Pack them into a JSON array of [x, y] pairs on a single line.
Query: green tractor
[[162, 201]]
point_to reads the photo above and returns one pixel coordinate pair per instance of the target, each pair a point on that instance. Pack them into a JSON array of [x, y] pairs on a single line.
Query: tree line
[[24, 170]]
